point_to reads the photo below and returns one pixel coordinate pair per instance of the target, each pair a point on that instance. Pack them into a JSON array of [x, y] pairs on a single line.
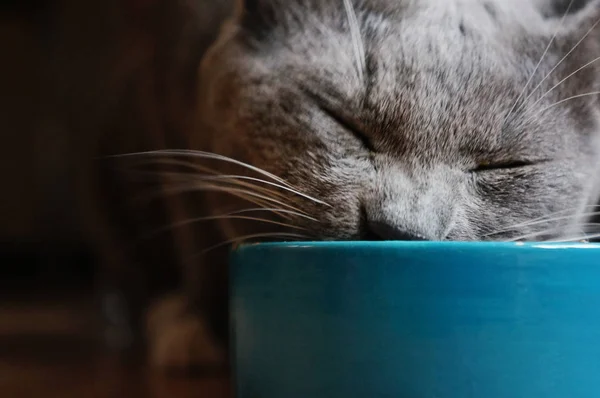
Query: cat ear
[[242, 6], [261, 16], [251, 6], [558, 8], [257, 13], [581, 24]]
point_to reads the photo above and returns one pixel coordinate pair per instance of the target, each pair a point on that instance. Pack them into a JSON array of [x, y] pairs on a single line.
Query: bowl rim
[[418, 245]]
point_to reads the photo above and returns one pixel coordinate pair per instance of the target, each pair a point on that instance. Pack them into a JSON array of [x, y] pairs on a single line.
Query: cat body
[[362, 119], [429, 120]]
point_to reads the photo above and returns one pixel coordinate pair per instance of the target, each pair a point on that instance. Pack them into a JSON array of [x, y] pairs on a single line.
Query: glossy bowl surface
[[416, 320]]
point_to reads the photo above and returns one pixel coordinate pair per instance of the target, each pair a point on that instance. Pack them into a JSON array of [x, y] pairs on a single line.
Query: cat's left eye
[[508, 165]]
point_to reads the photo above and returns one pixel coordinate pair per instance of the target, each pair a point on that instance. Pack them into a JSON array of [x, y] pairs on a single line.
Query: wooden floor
[[48, 349]]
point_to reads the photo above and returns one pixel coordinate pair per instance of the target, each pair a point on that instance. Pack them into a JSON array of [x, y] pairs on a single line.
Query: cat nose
[[378, 230]]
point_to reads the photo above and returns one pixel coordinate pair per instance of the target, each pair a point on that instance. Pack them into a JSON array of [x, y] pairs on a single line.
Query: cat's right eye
[[350, 127]]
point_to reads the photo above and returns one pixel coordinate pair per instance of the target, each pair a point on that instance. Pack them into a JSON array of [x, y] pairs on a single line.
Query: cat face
[[435, 120]]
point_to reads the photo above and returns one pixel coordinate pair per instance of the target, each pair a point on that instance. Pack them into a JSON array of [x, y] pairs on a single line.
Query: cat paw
[[180, 341]]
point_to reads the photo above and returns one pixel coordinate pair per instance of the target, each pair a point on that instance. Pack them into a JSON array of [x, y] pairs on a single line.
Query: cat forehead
[[421, 32], [433, 67], [418, 16], [451, 47]]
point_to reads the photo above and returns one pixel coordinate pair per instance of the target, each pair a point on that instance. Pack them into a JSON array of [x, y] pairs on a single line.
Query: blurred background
[[73, 75], [81, 80]]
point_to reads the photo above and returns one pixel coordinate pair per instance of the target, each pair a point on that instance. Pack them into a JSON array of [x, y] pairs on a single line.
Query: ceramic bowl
[[416, 320]]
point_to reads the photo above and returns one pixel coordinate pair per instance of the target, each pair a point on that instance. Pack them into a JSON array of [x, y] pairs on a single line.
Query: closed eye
[[508, 165], [345, 122], [350, 127], [330, 106]]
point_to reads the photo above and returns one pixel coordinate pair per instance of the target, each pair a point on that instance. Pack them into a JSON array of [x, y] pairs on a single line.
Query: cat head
[[436, 120]]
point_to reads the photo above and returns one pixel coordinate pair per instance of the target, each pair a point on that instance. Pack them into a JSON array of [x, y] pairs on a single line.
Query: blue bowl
[[416, 320]]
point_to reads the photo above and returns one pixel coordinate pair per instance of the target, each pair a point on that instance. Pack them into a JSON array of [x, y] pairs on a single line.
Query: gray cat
[[385, 120]]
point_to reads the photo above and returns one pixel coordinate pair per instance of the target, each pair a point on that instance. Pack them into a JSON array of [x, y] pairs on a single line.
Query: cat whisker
[[239, 213], [533, 235], [562, 102], [563, 80], [239, 193], [265, 205], [514, 107], [193, 166], [215, 177], [238, 177], [546, 219], [231, 179], [274, 210], [277, 211], [229, 216], [285, 186], [187, 185], [235, 181], [586, 238], [252, 196], [182, 180], [241, 239], [563, 58], [275, 196], [202, 155], [357, 41], [232, 190]]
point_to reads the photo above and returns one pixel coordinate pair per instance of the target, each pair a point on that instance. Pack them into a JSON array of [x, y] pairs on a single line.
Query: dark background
[[51, 334], [40, 235]]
